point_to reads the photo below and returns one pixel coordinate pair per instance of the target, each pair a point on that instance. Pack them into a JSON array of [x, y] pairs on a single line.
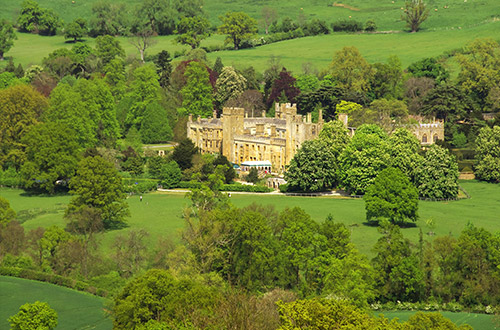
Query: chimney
[[198, 119], [309, 117], [264, 113], [259, 129], [190, 118], [273, 130], [214, 114], [320, 115]]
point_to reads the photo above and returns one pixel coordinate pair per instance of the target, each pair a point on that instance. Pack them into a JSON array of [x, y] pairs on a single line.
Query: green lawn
[[75, 310], [160, 213], [477, 321]]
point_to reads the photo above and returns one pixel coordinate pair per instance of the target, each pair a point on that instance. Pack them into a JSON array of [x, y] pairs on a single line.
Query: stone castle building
[[275, 140], [241, 139]]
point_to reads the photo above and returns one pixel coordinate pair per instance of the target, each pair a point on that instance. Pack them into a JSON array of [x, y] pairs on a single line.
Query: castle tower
[[232, 125]]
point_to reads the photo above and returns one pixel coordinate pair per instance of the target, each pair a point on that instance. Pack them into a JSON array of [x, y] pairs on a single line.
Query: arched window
[[435, 138], [424, 138]]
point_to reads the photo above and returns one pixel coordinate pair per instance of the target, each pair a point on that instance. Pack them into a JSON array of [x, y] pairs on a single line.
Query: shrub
[[347, 26], [370, 26]]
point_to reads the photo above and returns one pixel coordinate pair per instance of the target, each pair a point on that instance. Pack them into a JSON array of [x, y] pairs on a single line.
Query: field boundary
[[59, 280]]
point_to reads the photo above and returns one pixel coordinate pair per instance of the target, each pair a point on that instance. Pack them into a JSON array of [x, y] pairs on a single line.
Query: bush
[[139, 186], [370, 26], [10, 178], [284, 188], [347, 26]]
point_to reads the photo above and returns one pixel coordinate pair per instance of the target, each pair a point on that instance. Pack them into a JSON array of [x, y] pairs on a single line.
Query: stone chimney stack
[[273, 130]]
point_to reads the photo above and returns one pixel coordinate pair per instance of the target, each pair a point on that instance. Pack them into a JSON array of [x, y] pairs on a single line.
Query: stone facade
[[241, 139]]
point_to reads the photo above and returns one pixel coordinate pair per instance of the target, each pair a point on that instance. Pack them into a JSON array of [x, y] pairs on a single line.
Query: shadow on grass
[[400, 224]]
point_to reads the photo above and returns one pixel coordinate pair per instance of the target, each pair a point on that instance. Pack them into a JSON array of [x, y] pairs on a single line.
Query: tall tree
[[107, 48], [192, 30], [364, 158], [437, 177], [230, 85], [183, 153], [313, 168], [238, 26], [144, 90], [163, 68], [21, 107], [7, 37], [97, 184], [52, 154], [283, 87], [416, 12], [197, 94], [155, 127], [488, 154], [350, 71]]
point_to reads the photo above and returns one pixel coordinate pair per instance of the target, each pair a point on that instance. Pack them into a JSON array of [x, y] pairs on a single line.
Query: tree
[[415, 91], [230, 85], [183, 153], [393, 197], [350, 71], [109, 19], [142, 40], [157, 295], [76, 30], [37, 315], [66, 108], [416, 12], [229, 172], [387, 81], [192, 30], [269, 15], [238, 26], [404, 152], [34, 19], [488, 154], [283, 87], [7, 37], [155, 127], [437, 177], [251, 101], [430, 68], [479, 73], [6, 213], [144, 90], [313, 168], [163, 68], [97, 184], [157, 15], [21, 107], [52, 155], [107, 48], [197, 94], [170, 175], [363, 159]]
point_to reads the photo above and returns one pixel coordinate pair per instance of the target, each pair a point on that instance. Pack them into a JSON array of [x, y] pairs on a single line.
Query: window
[[435, 138], [424, 138]]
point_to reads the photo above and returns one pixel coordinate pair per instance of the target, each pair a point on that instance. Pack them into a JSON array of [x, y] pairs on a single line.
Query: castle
[[242, 139], [262, 140]]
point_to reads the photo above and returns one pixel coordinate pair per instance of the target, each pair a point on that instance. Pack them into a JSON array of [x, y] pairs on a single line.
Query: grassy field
[[75, 310], [160, 213], [477, 321], [317, 51], [386, 13], [445, 30]]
